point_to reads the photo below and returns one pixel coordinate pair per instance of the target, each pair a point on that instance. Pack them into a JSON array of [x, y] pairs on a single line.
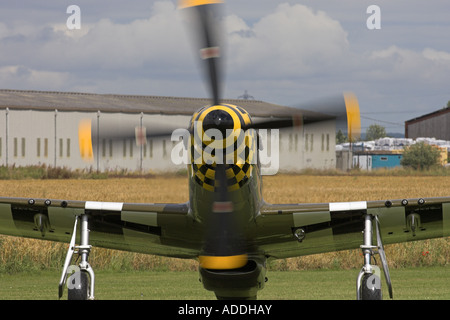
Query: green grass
[[43, 172], [428, 283]]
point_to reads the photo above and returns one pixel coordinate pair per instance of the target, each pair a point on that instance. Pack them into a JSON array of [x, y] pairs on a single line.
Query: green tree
[[340, 137], [375, 131], [420, 156]]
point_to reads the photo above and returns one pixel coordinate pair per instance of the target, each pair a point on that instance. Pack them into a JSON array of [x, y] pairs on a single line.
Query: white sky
[[285, 52]]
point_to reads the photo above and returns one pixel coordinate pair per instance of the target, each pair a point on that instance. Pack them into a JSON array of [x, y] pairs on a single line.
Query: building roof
[[91, 102], [428, 116]]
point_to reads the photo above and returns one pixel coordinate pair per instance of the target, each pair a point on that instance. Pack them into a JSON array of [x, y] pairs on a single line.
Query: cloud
[[296, 53], [157, 40], [427, 69], [286, 53], [294, 40], [102, 53], [131, 45], [21, 76], [3, 30], [437, 56]]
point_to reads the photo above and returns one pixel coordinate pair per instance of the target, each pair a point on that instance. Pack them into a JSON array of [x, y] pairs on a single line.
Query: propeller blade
[[85, 140], [353, 117], [294, 120], [224, 245], [88, 136], [206, 15], [344, 108]]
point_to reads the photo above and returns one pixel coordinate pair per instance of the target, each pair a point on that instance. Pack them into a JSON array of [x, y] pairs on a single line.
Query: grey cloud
[[281, 51]]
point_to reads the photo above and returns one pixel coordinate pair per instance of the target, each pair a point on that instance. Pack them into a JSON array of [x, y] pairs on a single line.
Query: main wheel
[[371, 287], [79, 286]]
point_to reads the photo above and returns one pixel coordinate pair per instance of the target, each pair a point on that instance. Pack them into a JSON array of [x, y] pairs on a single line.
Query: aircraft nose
[[218, 119]]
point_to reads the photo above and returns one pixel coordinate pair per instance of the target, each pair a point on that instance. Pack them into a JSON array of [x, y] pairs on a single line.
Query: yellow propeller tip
[[85, 140], [223, 262], [193, 3], [353, 116]]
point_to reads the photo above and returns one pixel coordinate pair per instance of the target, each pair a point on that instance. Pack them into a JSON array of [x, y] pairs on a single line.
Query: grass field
[[431, 283], [123, 275]]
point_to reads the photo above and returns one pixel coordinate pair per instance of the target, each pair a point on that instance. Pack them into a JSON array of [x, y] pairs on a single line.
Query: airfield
[[420, 283], [419, 269]]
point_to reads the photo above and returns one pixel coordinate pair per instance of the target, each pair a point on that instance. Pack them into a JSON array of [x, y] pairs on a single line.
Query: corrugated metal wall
[[437, 126], [34, 137]]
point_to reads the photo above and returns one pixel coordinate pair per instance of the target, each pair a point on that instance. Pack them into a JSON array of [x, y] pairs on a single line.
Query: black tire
[[78, 291], [371, 287]]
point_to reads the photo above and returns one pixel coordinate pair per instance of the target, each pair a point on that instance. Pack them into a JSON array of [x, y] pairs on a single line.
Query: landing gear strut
[[80, 283], [368, 283]]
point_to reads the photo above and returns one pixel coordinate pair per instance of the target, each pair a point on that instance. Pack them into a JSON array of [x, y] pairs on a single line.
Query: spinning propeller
[[225, 245], [205, 14]]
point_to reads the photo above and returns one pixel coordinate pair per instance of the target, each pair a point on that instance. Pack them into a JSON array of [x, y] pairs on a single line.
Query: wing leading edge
[[289, 230], [283, 230], [148, 228]]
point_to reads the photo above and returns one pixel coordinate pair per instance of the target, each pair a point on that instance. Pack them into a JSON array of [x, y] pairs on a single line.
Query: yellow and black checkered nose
[[218, 137]]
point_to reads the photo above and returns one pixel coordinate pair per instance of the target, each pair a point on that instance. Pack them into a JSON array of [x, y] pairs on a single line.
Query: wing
[[325, 227], [147, 228]]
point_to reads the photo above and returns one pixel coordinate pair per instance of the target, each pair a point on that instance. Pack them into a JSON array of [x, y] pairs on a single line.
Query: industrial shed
[[38, 127], [433, 125]]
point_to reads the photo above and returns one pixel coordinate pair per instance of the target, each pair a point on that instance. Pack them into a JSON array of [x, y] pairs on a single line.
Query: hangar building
[[38, 127], [433, 125]]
